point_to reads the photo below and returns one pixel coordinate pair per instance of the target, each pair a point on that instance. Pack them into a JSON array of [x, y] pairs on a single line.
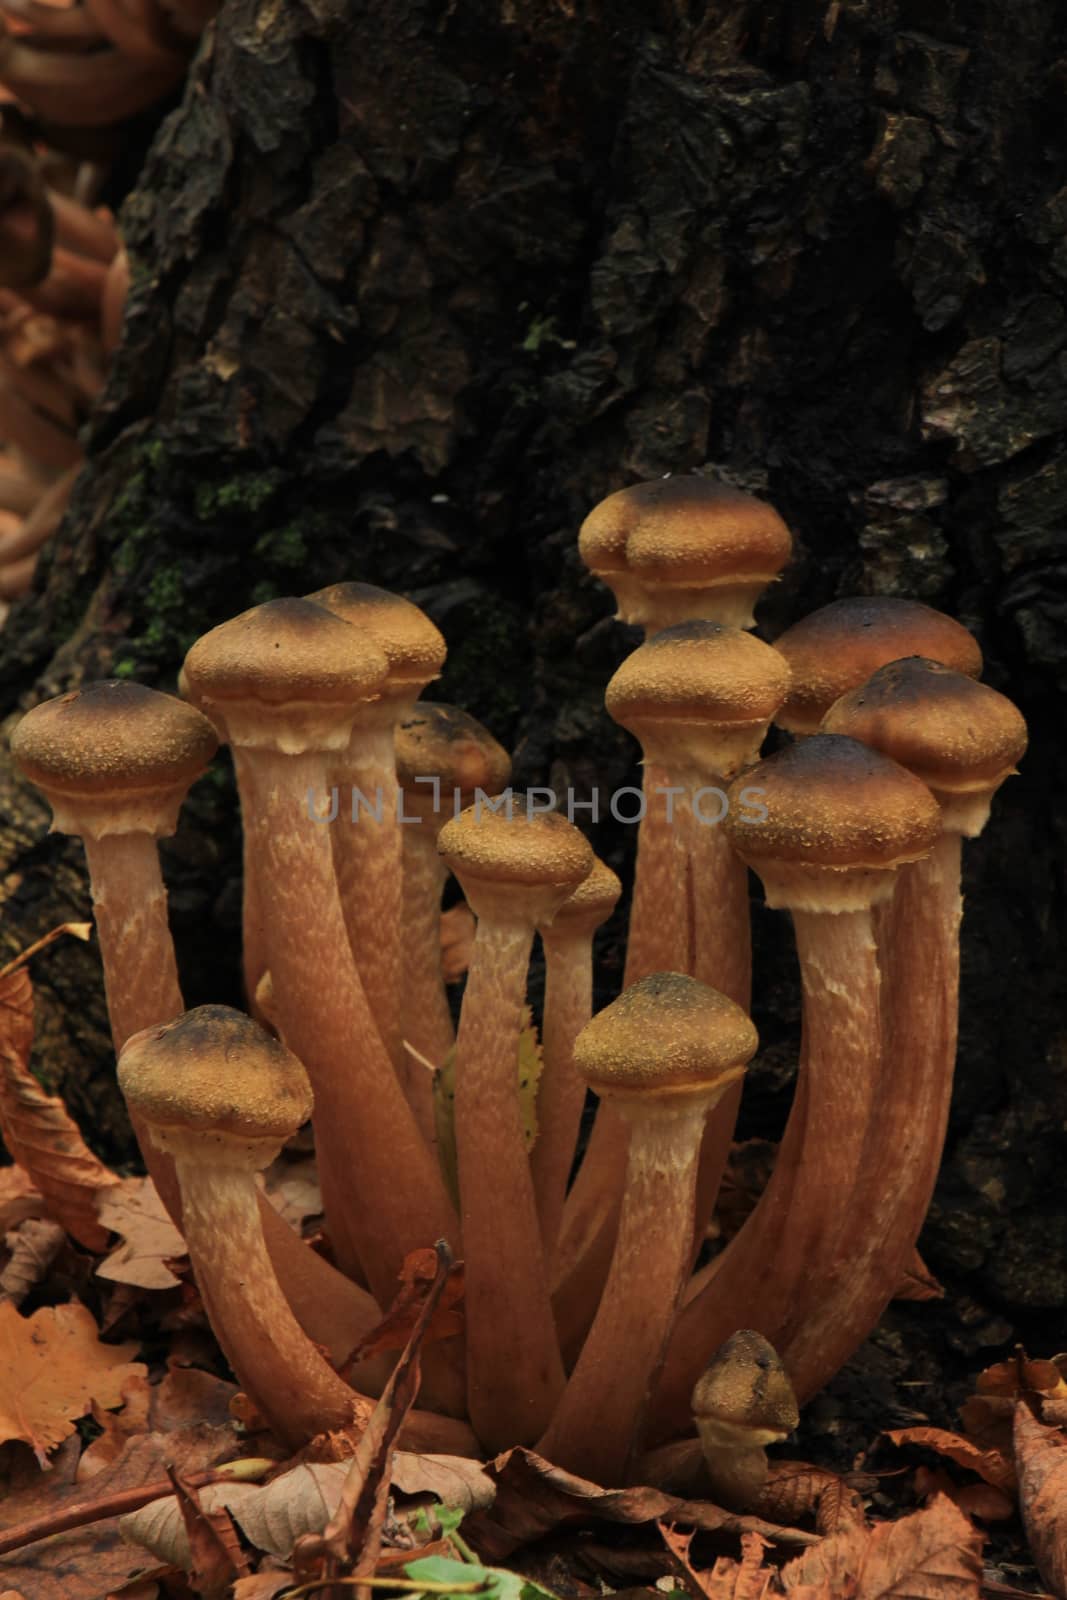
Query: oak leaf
[[1041, 1462], [52, 1368], [934, 1554], [133, 1209], [37, 1129], [747, 1579]]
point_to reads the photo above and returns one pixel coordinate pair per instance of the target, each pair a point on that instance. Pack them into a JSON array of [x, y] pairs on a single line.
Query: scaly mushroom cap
[[442, 742], [590, 905], [699, 694], [665, 1037], [514, 863], [287, 675], [743, 1399], [114, 757], [827, 821], [838, 647], [214, 1074], [414, 649], [960, 737]]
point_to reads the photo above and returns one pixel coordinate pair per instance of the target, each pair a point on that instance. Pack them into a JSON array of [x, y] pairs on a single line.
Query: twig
[[115, 1505]]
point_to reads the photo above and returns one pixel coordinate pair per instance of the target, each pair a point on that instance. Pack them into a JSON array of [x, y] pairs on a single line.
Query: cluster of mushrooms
[[591, 1332], [71, 72]]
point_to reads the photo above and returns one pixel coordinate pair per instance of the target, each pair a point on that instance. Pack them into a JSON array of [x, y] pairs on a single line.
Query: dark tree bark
[[416, 283]]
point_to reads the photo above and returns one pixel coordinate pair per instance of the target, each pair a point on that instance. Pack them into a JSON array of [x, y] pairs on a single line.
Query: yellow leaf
[[444, 1098]]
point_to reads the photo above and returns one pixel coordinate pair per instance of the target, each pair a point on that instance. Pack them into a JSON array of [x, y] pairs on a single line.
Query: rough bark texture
[[416, 283]]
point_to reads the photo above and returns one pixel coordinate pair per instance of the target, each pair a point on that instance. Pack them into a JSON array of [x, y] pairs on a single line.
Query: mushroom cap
[[700, 692], [287, 675], [515, 862], [839, 646], [692, 532], [744, 1397], [215, 1075], [840, 818], [440, 741], [587, 906], [957, 735], [414, 648], [114, 756], [666, 1036]]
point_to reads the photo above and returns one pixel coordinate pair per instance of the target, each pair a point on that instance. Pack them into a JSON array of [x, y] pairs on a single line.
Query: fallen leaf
[[456, 1481], [1041, 1463], [262, 1585], [393, 1332], [133, 1209], [34, 1245], [934, 1554], [52, 1367], [272, 1516], [991, 1465], [796, 1489], [187, 1397], [975, 1499], [293, 1189], [917, 1282], [117, 1428], [18, 1198], [37, 1128], [747, 1579], [533, 1498], [216, 1557]]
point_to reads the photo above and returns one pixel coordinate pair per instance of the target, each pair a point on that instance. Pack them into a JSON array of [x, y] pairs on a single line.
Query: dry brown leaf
[[37, 1129], [992, 1465], [293, 1190], [934, 1554], [52, 1367], [18, 1198], [533, 1498], [271, 1516], [1041, 1463], [979, 1500], [187, 1397], [918, 1282], [456, 1481], [215, 1550], [133, 1209], [747, 1579], [394, 1330], [34, 1246], [262, 1585], [796, 1489], [117, 1428]]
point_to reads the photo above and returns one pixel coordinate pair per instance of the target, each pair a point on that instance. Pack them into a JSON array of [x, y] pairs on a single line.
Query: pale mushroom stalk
[[840, 820], [365, 1131], [220, 1098], [664, 1053], [568, 948], [428, 1026], [963, 739], [516, 870]]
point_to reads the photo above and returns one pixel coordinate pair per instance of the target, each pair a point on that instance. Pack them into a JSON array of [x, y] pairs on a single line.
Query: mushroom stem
[[514, 1372], [560, 1090], [85, 91], [427, 1024], [365, 1131], [41, 438], [82, 230]]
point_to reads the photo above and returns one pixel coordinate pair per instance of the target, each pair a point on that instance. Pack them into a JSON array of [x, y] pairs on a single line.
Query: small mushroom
[[286, 680], [220, 1097], [662, 1054], [516, 868], [837, 822], [743, 1401], [838, 647]]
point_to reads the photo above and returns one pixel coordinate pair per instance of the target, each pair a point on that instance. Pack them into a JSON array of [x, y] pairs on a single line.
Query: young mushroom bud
[[838, 647], [516, 868], [220, 1097], [743, 1401], [662, 1055], [367, 839], [962, 739], [286, 680], [568, 947], [443, 758], [826, 823]]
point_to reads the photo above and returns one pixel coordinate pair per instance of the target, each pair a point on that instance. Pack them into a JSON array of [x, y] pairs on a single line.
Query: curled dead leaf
[[934, 1554], [133, 1209], [1041, 1463], [993, 1466]]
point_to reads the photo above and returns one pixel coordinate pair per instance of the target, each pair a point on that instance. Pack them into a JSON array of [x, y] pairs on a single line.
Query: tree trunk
[[415, 284]]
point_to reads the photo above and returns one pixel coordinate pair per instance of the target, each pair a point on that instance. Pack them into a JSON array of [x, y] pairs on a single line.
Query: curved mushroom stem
[[365, 1130], [779, 1265], [89, 91], [514, 1372], [919, 951], [561, 1090], [427, 1023], [141, 981], [276, 1364], [598, 1424]]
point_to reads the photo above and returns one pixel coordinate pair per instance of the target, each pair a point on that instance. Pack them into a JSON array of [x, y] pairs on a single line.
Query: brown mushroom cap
[[690, 532], [840, 818], [744, 1397], [838, 647], [440, 741], [214, 1071], [666, 1036], [960, 737], [414, 648], [589, 905], [114, 756], [287, 674], [699, 691], [497, 848]]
